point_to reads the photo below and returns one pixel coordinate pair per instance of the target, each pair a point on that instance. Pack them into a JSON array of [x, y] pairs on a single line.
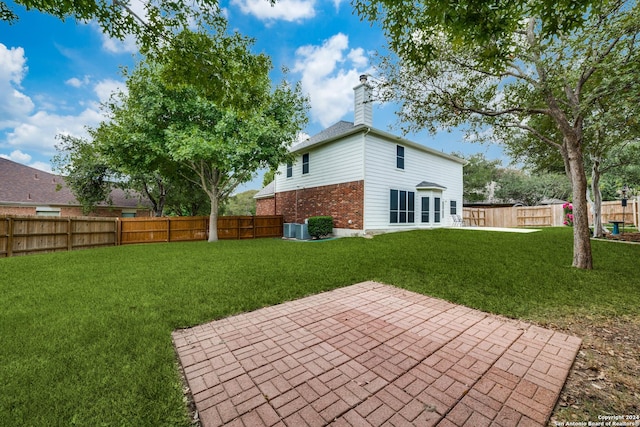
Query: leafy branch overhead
[[155, 22]]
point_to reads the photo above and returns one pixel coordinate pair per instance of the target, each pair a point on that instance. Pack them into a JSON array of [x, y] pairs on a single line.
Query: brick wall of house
[[266, 206], [343, 202], [18, 210], [70, 211]]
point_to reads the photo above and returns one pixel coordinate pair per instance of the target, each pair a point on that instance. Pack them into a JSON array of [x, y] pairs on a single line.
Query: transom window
[[402, 207], [399, 156]]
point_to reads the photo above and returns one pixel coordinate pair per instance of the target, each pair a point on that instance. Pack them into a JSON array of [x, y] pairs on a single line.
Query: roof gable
[[344, 128]]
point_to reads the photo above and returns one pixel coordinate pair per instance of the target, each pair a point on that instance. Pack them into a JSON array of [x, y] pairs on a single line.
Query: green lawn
[[85, 336]]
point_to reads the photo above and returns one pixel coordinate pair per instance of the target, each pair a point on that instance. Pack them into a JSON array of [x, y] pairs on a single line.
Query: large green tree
[[517, 186], [560, 77], [477, 175], [84, 170], [219, 137]]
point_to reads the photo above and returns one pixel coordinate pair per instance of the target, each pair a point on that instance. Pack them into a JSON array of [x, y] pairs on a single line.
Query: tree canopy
[[486, 25]]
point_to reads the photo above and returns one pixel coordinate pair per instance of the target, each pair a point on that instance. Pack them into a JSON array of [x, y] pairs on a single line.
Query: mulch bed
[[605, 378], [625, 237]]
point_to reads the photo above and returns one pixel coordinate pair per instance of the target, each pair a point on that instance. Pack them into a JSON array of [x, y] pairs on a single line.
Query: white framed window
[[399, 157], [47, 211], [402, 207]]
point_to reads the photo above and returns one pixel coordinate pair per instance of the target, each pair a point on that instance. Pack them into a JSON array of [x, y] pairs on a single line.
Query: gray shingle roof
[[266, 192], [331, 132], [430, 185], [22, 184]]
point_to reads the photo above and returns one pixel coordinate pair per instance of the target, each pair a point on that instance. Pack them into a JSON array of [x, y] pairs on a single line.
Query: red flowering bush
[[568, 214]]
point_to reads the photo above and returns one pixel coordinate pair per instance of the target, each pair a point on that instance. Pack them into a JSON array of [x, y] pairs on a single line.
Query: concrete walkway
[[373, 355]]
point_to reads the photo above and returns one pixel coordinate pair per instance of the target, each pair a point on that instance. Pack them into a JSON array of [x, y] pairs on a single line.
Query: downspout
[[364, 176]]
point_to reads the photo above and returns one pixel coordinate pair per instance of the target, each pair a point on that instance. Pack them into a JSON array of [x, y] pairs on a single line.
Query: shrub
[[568, 214], [320, 226]]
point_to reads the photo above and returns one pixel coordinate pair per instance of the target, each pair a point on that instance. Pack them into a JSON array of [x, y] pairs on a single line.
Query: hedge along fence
[[24, 235]]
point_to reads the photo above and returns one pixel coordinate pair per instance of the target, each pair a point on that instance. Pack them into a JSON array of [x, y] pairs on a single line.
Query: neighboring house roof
[[24, 185], [267, 192], [344, 128]]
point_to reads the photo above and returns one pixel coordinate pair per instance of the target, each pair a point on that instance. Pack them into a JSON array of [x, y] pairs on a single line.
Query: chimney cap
[[363, 78]]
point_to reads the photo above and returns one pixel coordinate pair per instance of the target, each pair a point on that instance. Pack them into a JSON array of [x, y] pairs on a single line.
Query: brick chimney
[[363, 107]]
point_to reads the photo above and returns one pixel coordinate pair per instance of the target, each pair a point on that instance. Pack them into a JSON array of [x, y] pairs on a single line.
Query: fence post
[[69, 235], [168, 229], [10, 238]]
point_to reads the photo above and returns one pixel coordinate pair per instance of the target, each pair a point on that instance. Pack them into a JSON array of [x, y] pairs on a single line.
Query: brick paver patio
[[373, 355]]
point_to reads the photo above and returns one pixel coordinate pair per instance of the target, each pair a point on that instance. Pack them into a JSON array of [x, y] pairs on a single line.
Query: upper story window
[[453, 207], [399, 156], [289, 169], [305, 163]]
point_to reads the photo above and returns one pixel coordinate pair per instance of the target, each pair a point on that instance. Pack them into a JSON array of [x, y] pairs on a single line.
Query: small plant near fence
[[320, 226], [568, 214]]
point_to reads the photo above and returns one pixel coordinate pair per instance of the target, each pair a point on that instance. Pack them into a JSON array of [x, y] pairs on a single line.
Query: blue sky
[[54, 74]]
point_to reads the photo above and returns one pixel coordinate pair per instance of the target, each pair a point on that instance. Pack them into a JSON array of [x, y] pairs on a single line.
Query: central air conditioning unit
[[289, 230], [302, 232]]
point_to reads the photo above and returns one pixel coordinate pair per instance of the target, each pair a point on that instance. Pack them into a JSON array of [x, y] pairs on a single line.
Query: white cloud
[[74, 82], [285, 10], [127, 45], [105, 88], [38, 131], [329, 74], [15, 104], [17, 156]]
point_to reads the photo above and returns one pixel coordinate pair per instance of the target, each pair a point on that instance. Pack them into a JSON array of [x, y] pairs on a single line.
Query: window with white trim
[[402, 207], [305, 163], [399, 157], [425, 208], [289, 169]]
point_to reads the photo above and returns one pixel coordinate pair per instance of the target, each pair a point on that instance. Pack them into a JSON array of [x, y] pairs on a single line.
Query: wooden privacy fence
[[180, 229], [31, 234], [23, 235], [250, 227], [545, 216], [163, 229]]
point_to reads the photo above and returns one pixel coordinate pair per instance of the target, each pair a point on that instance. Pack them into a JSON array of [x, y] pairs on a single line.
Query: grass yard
[[85, 336]]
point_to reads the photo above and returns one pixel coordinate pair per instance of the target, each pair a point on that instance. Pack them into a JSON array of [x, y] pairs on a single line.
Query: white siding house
[[367, 179]]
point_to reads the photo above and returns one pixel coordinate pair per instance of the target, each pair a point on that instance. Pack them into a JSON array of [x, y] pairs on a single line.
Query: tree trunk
[[582, 257], [598, 230], [213, 218]]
